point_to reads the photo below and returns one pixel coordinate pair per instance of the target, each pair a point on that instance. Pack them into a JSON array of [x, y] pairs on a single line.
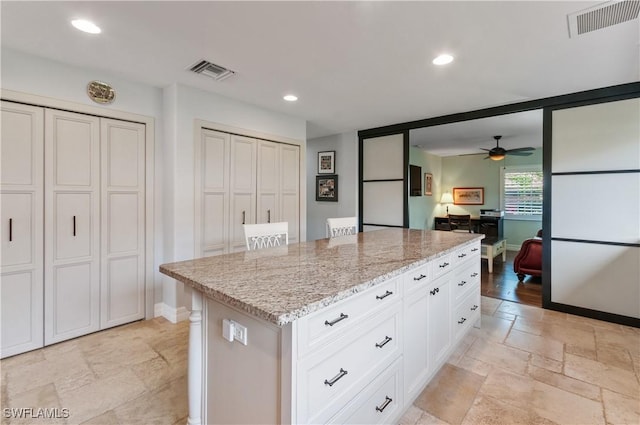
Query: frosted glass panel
[[600, 207], [604, 136], [383, 158], [382, 203], [598, 277]]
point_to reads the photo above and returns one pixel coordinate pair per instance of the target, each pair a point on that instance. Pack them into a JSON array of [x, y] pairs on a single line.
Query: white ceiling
[[354, 65]]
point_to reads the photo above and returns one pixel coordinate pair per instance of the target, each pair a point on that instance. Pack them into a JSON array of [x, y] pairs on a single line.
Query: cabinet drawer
[[467, 312], [379, 403], [466, 252], [317, 329], [328, 379], [416, 278], [442, 265], [466, 278]]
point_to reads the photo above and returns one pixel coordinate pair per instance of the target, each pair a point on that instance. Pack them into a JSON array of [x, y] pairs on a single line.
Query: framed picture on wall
[[327, 162], [468, 195], [428, 183], [327, 188]]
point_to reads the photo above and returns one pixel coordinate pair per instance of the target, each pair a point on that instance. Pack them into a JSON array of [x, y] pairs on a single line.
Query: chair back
[[460, 223], [266, 235], [342, 226]]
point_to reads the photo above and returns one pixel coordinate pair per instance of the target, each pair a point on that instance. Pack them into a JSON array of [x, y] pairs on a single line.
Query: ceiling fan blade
[[519, 153], [486, 157], [520, 149], [469, 154], [485, 149]]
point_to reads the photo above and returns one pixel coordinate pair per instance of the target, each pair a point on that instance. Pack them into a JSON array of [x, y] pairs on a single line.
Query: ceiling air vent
[[602, 16], [212, 70]]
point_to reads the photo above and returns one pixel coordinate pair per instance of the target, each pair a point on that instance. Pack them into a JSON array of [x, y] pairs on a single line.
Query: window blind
[[522, 193]]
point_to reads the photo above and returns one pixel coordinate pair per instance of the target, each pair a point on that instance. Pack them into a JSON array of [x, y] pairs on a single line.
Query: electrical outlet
[[240, 333]]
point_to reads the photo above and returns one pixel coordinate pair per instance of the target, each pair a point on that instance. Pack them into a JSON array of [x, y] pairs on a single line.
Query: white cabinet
[[73, 200], [243, 180], [21, 228], [439, 321]]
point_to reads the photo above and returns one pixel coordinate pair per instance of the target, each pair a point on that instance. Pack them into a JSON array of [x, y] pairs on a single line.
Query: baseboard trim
[[174, 315], [513, 247]]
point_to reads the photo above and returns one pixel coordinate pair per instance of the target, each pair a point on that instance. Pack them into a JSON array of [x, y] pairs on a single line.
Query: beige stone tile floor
[[525, 365]]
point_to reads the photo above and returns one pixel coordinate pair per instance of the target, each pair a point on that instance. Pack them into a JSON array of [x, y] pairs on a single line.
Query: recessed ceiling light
[[443, 59], [290, 98], [86, 26]]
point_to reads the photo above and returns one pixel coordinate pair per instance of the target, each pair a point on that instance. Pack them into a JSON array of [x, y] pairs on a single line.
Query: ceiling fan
[[499, 153]]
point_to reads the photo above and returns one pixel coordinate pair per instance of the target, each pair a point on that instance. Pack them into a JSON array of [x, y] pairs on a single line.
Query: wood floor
[[503, 283]]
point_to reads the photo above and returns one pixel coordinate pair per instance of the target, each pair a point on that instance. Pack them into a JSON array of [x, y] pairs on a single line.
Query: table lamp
[[446, 199]]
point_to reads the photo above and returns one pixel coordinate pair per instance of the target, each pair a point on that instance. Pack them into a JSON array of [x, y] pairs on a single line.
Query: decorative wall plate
[[101, 92]]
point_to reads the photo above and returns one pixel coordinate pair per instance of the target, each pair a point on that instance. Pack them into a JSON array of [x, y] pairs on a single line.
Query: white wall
[[346, 147]]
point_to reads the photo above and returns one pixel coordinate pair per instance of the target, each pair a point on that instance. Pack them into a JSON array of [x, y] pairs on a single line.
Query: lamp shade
[[447, 198]]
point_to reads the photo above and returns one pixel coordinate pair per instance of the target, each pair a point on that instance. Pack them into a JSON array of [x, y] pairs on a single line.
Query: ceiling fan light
[[497, 157]]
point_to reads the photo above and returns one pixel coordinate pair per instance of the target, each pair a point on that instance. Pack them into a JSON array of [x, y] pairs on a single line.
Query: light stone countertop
[[282, 284]]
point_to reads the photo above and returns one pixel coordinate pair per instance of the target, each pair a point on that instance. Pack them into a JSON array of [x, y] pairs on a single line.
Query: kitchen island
[[343, 330]]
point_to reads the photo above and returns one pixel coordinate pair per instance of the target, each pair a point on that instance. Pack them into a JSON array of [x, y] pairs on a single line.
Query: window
[[521, 193]]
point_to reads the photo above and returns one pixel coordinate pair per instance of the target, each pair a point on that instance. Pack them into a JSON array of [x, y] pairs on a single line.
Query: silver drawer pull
[[461, 321], [443, 265], [434, 291], [334, 321], [474, 249], [387, 339], [335, 378], [462, 283], [462, 255], [474, 308], [385, 295], [474, 275], [419, 277], [384, 405]]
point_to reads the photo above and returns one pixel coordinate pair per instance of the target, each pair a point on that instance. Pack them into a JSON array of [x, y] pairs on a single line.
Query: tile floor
[[524, 366]]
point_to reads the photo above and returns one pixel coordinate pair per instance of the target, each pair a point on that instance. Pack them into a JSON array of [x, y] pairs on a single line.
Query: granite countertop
[[285, 283]]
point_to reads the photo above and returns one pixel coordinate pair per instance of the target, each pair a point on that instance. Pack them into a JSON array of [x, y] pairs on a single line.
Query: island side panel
[[243, 382]]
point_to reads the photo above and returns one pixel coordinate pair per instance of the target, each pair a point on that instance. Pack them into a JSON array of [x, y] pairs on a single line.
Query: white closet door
[[212, 184], [267, 185], [243, 189], [21, 228], [290, 189], [72, 223], [122, 274]]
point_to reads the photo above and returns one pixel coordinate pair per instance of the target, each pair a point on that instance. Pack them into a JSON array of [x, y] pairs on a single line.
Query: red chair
[[529, 259]]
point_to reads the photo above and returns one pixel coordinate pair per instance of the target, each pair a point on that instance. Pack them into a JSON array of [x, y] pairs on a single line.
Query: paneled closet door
[[21, 228], [243, 189], [122, 274], [290, 189], [72, 223], [268, 181], [212, 184]]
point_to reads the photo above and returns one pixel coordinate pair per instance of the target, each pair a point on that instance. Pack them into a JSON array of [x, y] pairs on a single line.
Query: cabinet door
[[212, 193], [439, 320], [243, 189], [290, 189], [267, 185], [122, 237], [416, 359], [72, 223], [21, 228]]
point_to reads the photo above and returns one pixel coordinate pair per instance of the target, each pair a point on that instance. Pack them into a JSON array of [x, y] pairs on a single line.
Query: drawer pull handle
[[474, 275], [268, 216], [461, 321], [387, 339], [462, 283], [334, 321], [74, 225], [474, 308], [434, 291], [474, 249], [462, 255], [10, 229], [385, 295], [419, 277], [335, 378], [384, 405], [442, 266]]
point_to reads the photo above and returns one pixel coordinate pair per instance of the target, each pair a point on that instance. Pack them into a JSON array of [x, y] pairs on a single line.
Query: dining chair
[[460, 223], [342, 226], [266, 235]]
